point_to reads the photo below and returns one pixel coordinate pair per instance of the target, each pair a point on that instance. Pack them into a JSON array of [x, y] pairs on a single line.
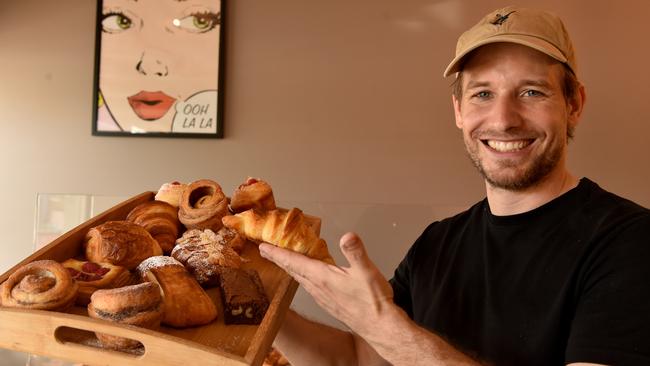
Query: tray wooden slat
[[70, 335]]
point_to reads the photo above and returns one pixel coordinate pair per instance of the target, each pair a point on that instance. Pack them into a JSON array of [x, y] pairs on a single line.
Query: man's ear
[[576, 105], [459, 120]]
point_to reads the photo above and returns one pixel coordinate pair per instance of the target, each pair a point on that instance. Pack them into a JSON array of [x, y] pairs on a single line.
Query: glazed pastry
[[121, 243], [285, 229], [203, 253], [254, 193], [42, 285], [160, 219], [186, 304], [139, 305], [202, 206], [171, 193], [93, 276]]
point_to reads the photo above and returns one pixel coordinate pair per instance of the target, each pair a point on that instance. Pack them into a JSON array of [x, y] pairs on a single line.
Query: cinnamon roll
[[42, 285], [202, 206]]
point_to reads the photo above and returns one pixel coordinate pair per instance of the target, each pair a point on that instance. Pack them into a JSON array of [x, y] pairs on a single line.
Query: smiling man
[[548, 269]]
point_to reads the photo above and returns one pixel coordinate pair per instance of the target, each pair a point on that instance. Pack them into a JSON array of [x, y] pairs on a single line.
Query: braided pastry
[[42, 285], [121, 243], [254, 193], [285, 229], [160, 219], [202, 206]]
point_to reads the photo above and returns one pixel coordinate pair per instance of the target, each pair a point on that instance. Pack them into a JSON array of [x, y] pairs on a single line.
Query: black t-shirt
[[566, 282]]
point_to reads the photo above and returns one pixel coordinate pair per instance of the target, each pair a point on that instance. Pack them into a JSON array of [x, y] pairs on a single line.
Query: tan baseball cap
[[541, 30]]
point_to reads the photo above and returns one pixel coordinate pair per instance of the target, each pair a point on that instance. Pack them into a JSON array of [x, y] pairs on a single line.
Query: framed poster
[[158, 68]]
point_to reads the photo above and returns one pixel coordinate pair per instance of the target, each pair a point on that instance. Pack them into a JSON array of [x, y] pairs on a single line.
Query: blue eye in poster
[[159, 69]]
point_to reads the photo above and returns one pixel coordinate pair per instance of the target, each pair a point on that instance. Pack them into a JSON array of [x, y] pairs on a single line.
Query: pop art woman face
[[155, 54]]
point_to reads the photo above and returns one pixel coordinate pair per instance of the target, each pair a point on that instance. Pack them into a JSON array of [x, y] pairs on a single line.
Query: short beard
[[532, 176]]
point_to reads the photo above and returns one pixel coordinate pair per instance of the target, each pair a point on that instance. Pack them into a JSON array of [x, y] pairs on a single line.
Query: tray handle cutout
[[70, 336]]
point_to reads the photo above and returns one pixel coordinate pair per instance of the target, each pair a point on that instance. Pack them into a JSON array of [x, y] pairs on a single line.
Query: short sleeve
[[402, 278], [401, 287]]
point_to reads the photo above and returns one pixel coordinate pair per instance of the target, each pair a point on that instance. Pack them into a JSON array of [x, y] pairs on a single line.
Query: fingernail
[[349, 243], [263, 250]]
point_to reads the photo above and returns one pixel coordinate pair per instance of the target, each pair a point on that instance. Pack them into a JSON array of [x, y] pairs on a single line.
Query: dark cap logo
[[500, 19]]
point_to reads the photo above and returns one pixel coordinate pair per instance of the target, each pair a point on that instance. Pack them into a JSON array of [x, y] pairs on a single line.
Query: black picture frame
[[152, 68]]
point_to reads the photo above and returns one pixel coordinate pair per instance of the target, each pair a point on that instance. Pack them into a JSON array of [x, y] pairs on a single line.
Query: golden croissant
[[285, 229]]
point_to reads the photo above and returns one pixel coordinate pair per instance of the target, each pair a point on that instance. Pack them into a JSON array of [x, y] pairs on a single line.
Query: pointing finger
[[295, 264]]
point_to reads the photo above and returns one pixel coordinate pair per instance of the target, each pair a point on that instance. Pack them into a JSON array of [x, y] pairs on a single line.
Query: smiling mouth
[[150, 106], [507, 146]]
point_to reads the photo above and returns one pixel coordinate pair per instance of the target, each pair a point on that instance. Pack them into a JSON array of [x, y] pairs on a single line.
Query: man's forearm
[[305, 342], [402, 342]]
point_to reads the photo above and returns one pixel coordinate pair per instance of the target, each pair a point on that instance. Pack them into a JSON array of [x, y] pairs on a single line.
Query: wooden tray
[[70, 335]]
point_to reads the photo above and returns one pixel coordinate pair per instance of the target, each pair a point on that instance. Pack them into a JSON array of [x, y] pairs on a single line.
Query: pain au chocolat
[[121, 243]]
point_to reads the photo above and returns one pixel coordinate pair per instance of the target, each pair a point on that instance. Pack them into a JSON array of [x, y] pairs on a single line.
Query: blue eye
[[115, 22], [482, 94], [533, 93]]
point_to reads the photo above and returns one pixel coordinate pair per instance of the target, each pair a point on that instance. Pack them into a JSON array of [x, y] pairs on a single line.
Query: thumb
[[354, 251]]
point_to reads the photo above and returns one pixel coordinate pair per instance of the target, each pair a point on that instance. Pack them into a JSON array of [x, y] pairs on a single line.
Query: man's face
[[513, 115]]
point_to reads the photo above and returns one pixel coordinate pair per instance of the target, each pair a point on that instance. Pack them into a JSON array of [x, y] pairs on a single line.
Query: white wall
[[339, 104]]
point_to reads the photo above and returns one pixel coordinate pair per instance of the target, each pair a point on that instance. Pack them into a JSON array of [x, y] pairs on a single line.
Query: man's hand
[[356, 295]]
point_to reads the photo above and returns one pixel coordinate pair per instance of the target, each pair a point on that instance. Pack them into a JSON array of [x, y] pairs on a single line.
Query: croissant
[[42, 285], [202, 205], [160, 219], [285, 229], [254, 193]]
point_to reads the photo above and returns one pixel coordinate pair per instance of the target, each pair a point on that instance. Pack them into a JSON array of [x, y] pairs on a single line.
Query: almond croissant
[[285, 229]]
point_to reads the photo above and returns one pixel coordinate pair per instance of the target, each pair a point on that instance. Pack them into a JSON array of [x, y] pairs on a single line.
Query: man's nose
[[506, 113]]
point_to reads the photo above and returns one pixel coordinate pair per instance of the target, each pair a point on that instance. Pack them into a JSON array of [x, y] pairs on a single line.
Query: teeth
[[507, 146]]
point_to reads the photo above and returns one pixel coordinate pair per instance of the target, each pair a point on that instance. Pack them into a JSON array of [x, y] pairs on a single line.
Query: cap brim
[[532, 42]]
